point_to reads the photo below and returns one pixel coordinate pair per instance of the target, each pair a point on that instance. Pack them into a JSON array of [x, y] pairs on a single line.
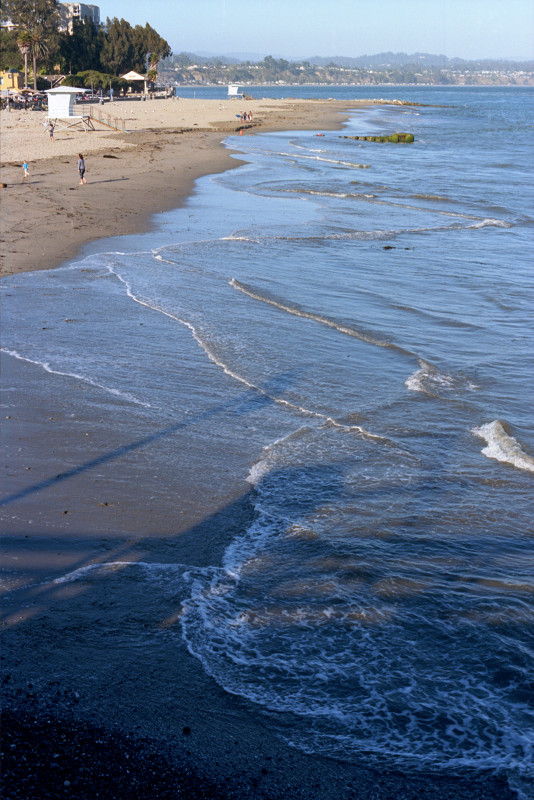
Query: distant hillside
[[378, 61], [384, 68], [423, 60]]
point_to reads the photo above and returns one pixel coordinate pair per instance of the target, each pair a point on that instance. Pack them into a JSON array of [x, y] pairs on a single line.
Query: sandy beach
[[131, 175], [88, 711]]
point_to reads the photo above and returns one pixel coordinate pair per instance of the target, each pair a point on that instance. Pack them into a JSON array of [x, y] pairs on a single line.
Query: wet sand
[[101, 699]]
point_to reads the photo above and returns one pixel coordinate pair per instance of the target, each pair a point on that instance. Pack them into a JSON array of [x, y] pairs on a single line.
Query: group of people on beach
[[81, 169]]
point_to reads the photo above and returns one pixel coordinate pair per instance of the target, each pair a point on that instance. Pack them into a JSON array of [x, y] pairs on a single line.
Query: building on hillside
[[11, 79], [68, 12]]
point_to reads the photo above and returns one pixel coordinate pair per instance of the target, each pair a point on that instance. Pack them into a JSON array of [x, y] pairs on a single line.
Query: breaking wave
[[501, 446], [347, 330], [429, 380]]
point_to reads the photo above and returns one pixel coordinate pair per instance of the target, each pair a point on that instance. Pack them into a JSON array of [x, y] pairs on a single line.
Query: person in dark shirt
[[81, 168]]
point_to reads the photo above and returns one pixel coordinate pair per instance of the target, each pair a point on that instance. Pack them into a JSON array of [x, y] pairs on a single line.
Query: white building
[[71, 11]]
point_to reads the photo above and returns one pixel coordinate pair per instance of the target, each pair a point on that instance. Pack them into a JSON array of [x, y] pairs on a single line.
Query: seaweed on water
[[394, 138]]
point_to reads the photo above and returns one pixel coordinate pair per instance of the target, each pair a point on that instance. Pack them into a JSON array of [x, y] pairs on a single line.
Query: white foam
[[149, 570], [429, 380], [46, 366], [503, 447], [105, 567], [415, 382], [231, 373], [263, 466], [236, 238], [327, 160], [497, 223]]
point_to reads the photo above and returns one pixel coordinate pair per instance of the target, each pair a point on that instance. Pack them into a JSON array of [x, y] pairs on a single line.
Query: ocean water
[[350, 324]]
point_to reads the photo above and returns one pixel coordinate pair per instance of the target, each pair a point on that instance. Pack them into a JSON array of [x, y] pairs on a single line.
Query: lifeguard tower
[[61, 112], [61, 109], [233, 90]]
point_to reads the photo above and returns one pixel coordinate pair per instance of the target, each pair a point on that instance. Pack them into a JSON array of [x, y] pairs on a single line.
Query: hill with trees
[[383, 68]]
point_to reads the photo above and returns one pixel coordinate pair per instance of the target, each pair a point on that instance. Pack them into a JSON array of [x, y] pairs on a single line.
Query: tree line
[[107, 50]]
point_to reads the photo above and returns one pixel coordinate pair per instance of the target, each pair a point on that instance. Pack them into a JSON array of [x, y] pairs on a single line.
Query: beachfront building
[[11, 79], [69, 12]]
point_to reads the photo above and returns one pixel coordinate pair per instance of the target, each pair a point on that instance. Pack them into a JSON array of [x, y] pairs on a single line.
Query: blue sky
[[301, 28]]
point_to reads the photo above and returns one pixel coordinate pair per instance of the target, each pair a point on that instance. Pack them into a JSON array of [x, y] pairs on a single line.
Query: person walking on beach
[[51, 131], [26, 173], [81, 168]]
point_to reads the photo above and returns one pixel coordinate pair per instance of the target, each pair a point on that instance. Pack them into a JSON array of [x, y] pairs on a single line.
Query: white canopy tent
[[134, 76]]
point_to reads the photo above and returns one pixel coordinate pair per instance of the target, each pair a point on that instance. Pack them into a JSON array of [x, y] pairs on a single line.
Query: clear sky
[[301, 28]]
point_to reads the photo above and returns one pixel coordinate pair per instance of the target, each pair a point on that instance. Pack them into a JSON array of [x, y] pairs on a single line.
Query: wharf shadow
[[250, 402], [50, 576]]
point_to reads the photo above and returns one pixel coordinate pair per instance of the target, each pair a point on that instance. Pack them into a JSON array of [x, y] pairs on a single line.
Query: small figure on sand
[[25, 173], [81, 168], [51, 130]]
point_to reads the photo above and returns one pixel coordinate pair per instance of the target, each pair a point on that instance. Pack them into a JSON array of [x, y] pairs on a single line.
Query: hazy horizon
[[300, 29]]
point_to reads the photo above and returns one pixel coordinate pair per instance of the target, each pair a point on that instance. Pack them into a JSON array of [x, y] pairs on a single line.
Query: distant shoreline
[[364, 85]]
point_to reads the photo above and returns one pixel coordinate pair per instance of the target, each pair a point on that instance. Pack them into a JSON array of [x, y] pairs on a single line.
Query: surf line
[[296, 156], [84, 378], [488, 221], [115, 566], [239, 378], [297, 312]]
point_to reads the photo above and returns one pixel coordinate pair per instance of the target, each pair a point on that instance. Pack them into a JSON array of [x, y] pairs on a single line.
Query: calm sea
[[350, 325]]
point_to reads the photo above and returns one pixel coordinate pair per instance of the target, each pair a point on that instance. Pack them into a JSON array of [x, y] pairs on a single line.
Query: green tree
[[148, 42], [10, 55], [118, 52], [40, 19], [125, 48], [80, 50], [24, 43], [40, 49]]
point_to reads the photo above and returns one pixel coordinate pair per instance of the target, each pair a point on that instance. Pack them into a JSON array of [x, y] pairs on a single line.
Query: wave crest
[[502, 446]]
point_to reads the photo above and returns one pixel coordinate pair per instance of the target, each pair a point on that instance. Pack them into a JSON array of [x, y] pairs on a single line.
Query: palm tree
[[24, 43], [39, 49]]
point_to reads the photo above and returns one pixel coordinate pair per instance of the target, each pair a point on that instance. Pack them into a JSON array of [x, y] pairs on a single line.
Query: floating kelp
[[395, 138]]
